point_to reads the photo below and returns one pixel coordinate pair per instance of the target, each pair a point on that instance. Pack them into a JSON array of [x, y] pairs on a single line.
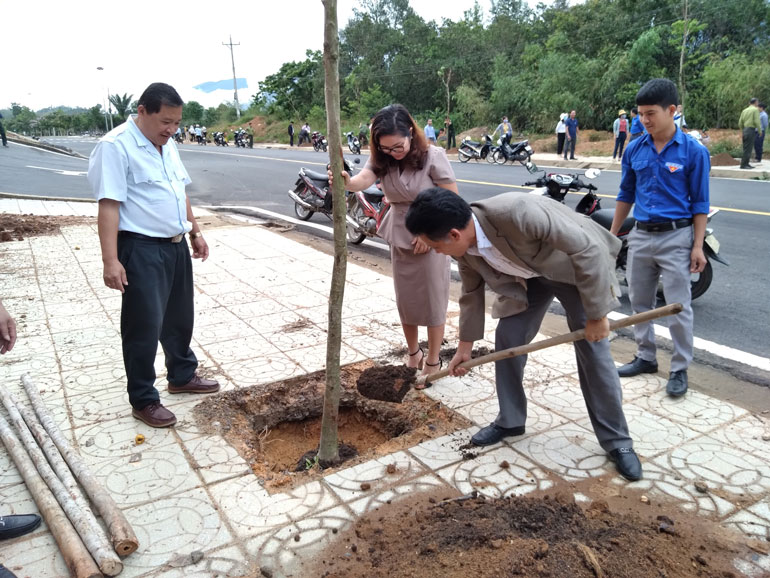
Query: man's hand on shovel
[[463, 353]]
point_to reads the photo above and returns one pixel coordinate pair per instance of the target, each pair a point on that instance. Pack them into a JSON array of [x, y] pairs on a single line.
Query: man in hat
[[620, 130]]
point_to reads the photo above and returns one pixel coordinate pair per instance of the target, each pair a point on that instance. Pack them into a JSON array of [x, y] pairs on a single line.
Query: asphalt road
[[735, 312]]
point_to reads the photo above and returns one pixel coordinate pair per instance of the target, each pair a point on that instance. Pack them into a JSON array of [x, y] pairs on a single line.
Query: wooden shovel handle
[[664, 311]]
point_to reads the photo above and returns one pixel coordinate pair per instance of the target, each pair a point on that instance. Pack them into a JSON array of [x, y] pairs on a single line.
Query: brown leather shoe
[[196, 385], [154, 415]]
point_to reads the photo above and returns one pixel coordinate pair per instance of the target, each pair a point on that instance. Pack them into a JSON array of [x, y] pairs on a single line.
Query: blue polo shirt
[[636, 125], [572, 125], [667, 186]]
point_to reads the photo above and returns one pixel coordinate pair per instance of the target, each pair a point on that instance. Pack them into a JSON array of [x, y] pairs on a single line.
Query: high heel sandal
[[421, 364], [439, 364]]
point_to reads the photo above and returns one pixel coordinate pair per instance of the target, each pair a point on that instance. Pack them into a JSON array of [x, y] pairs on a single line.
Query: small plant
[[310, 464], [729, 146]]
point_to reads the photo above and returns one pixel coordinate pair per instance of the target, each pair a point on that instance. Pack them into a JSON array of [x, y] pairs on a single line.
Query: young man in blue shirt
[[637, 129], [666, 179]]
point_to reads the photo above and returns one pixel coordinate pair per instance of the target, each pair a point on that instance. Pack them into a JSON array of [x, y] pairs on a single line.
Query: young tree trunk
[[124, 539], [328, 448], [681, 57], [75, 555], [80, 515]]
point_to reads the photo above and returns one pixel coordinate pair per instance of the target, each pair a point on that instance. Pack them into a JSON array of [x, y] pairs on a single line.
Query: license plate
[[712, 242]]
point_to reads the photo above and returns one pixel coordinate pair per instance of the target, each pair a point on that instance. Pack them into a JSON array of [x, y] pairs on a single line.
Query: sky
[[51, 55]]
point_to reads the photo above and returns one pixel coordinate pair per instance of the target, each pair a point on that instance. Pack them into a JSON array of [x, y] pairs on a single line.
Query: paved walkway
[[186, 492]]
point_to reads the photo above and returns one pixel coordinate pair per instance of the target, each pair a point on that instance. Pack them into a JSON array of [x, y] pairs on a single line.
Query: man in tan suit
[[529, 249]]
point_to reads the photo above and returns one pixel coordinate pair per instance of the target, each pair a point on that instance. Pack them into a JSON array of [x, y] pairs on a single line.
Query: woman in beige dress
[[406, 164]]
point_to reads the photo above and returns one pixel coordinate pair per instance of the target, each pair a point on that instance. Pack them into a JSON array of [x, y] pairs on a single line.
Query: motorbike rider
[[304, 134], [506, 131], [665, 177]]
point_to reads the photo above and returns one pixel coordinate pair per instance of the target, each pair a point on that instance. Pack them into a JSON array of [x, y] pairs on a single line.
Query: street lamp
[[109, 106]]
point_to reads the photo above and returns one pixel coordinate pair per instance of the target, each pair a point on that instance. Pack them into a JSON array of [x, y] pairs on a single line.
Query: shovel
[[671, 309]]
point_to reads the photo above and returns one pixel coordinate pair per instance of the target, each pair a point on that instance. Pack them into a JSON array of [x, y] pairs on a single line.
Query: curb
[[13, 137]]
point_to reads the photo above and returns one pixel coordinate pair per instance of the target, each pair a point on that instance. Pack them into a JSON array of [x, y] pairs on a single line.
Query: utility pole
[[235, 82], [681, 57]]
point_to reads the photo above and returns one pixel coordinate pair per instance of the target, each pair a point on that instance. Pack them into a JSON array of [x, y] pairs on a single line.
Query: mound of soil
[[724, 160], [548, 536], [17, 227], [386, 382]]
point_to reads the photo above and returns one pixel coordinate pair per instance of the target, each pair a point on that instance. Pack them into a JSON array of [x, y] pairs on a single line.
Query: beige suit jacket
[[550, 239]]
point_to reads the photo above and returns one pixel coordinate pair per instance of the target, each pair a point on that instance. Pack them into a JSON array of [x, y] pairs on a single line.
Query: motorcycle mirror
[[531, 167], [592, 173]]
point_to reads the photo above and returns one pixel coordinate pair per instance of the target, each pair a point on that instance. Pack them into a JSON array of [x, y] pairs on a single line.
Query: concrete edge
[[39, 198], [18, 139]]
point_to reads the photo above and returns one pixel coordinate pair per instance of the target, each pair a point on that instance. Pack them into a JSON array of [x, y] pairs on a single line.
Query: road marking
[[60, 171], [254, 157], [722, 351]]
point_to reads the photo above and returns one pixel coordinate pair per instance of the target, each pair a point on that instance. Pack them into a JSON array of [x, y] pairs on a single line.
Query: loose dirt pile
[[18, 227], [548, 536], [386, 382]]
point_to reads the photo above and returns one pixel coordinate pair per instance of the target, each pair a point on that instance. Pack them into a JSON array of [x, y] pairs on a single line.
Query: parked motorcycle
[[318, 141], [470, 149], [220, 140], [179, 137], [240, 138], [556, 186], [519, 151], [312, 194], [365, 212], [353, 143]]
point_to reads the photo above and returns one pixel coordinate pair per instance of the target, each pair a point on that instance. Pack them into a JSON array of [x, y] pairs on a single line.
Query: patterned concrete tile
[[569, 451], [236, 329], [215, 459], [347, 483], [752, 432], [720, 465], [456, 392], [497, 473], [699, 411], [753, 521], [259, 370], [314, 358], [171, 527], [644, 385], [37, 555], [299, 337], [239, 349], [227, 561], [561, 395], [559, 357], [389, 493], [485, 412], [442, 451], [252, 510], [118, 440]]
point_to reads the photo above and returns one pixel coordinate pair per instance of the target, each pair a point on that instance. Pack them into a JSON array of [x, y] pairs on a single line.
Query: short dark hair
[[157, 95], [635, 110], [762, 105], [435, 212], [753, 100], [658, 92], [396, 120]]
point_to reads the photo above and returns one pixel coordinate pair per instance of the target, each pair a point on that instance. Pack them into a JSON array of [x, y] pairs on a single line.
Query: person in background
[[505, 129], [561, 133], [2, 132], [407, 163], [449, 128], [144, 214], [363, 134], [619, 129], [750, 126], [291, 133], [679, 117], [637, 128], [573, 129], [430, 132], [529, 250], [759, 140], [665, 178], [304, 134]]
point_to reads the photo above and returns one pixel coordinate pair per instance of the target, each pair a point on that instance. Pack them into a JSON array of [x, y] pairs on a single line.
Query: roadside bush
[[730, 146]]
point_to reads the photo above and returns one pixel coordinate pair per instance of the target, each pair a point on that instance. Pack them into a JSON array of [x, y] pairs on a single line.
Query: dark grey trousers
[[597, 373], [749, 134], [157, 306]]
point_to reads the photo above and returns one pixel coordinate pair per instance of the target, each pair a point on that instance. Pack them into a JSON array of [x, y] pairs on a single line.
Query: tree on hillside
[[122, 104], [192, 113], [294, 89]]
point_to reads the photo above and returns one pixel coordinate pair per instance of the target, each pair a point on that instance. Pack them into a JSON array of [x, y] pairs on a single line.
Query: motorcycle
[[220, 140], [470, 149], [353, 144], [179, 137], [556, 186], [318, 141], [240, 138], [312, 194], [519, 151], [365, 211]]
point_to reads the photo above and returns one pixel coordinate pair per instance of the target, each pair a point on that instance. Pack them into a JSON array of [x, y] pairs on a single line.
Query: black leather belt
[[175, 239], [663, 226]]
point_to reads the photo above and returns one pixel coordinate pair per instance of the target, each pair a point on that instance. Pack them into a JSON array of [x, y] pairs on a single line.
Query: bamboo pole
[[75, 555], [82, 519], [124, 540]]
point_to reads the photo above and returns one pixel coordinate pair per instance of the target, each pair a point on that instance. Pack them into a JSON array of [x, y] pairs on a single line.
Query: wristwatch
[[195, 235]]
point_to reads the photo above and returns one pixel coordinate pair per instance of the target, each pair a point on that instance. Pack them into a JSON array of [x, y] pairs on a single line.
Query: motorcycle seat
[[604, 218], [373, 194], [473, 143], [323, 177]]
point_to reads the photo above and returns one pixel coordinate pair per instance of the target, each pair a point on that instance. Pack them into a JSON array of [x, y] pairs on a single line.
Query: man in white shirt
[[144, 213]]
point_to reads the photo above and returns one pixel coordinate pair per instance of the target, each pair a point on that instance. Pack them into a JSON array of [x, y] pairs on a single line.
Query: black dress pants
[[157, 306], [749, 134]]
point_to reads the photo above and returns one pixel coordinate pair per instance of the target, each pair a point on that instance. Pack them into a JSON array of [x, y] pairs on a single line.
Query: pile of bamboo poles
[[54, 474]]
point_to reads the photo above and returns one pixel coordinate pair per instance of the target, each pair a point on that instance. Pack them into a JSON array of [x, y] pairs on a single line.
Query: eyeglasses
[[398, 149]]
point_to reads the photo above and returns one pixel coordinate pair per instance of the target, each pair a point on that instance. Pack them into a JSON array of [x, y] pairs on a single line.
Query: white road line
[[722, 351], [60, 171]]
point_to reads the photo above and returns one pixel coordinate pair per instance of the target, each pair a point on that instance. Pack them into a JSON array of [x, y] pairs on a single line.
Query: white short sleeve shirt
[[126, 167]]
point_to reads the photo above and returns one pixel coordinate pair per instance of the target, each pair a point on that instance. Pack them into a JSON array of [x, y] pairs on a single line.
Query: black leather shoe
[[637, 366], [627, 463], [14, 526], [493, 433], [6, 573], [677, 383]]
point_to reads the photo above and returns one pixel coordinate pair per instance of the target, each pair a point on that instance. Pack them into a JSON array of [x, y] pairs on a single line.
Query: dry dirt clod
[[391, 469], [505, 465], [366, 486], [701, 487], [644, 500]]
